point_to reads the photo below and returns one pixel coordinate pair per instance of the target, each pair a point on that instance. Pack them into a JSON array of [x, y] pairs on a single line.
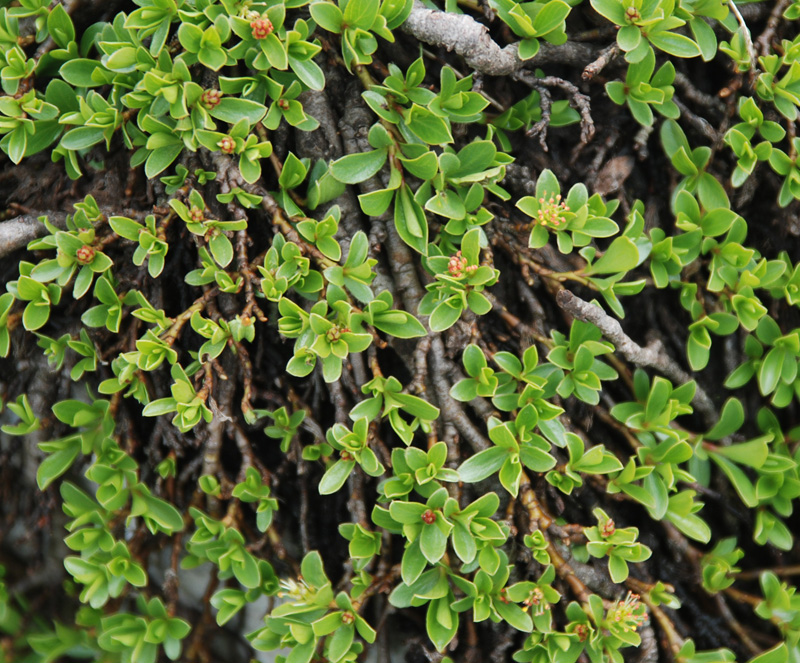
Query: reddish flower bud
[[210, 98], [632, 14], [457, 265], [85, 255], [262, 28], [196, 214], [227, 145], [429, 517]]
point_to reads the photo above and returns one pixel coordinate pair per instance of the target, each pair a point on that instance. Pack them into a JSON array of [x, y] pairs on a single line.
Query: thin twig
[[606, 55], [763, 42], [540, 128], [699, 123], [577, 99], [735, 626], [690, 91]]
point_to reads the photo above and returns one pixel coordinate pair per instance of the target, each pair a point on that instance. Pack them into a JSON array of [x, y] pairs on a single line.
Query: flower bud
[[85, 255], [262, 28], [227, 145]]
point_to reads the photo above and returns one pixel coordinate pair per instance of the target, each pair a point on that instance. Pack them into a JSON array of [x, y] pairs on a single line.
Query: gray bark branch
[[17, 232], [464, 35], [652, 356]]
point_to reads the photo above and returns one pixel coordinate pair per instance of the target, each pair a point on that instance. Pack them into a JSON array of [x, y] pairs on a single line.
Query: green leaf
[[514, 615], [441, 622], [482, 465], [79, 72], [674, 44], [410, 221], [618, 568], [166, 515], [336, 476], [375, 203], [445, 315], [57, 462], [412, 564], [433, 542], [327, 15], [729, 422], [339, 643], [613, 10], [778, 654], [35, 316], [739, 479], [621, 256], [160, 159], [752, 453], [355, 168], [704, 35], [447, 204], [361, 13], [628, 38], [231, 110], [550, 16], [312, 569], [80, 138], [399, 324], [463, 542], [60, 27], [428, 127]]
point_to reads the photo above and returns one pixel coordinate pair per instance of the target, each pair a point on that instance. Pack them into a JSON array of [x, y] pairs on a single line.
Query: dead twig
[[699, 123], [691, 93], [606, 55], [577, 99], [764, 40], [540, 128]]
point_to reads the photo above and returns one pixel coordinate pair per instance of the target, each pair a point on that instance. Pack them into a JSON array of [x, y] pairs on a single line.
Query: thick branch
[[652, 356], [464, 35], [470, 39], [17, 232]]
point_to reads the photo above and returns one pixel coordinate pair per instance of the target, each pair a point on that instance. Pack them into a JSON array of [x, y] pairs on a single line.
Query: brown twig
[[763, 41], [577, 99], [700, 124], [735, 626], [691, 93], [606, 55], [539, 518]]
